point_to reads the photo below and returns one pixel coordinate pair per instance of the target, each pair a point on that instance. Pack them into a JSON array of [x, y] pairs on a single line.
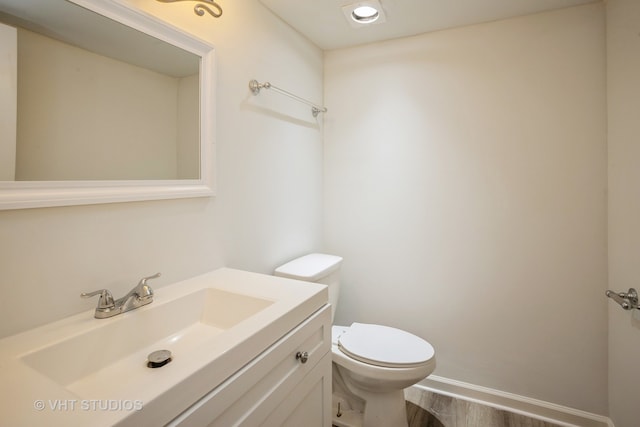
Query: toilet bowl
[[372, 364]]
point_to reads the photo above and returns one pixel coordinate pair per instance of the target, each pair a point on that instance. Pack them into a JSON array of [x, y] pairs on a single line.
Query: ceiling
[[324, 22]]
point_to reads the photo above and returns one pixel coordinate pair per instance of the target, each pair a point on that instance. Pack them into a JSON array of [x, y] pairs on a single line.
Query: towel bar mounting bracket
[[626, 300]]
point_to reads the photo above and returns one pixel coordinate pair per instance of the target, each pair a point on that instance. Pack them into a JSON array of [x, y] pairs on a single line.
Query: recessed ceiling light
[[364, 12]]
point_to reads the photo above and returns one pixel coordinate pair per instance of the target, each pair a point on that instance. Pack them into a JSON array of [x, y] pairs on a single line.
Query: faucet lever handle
[[105, 301], [143, 290], [143, 281]]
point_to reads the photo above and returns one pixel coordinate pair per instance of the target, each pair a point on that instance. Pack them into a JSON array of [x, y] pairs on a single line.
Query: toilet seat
[[383, 346]]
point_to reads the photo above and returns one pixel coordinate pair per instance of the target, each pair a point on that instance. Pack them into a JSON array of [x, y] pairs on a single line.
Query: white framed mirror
[[101, 103]]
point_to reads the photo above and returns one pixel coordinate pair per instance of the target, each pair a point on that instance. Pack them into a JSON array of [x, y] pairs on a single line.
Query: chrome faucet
[[140, 295]]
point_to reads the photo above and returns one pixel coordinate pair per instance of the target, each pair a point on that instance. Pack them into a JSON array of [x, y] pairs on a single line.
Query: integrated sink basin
[[91, 360], [81, 370]]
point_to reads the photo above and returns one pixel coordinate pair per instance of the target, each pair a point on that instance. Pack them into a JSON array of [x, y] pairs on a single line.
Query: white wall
[[623, 91], [268, 207], [465, 186]]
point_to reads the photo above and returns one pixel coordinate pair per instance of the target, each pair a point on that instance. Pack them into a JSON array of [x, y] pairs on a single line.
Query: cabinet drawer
[[249, 396]]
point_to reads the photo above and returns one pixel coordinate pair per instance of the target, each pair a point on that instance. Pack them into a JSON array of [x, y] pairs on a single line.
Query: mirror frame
[[37, 194]]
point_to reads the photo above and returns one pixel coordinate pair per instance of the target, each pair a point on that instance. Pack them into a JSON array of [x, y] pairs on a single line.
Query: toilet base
[[385, 409], [381, 410], [344, 415], [365, 407]]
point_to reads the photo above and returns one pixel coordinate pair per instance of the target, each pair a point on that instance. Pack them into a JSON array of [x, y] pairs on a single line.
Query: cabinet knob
[[302, 356]]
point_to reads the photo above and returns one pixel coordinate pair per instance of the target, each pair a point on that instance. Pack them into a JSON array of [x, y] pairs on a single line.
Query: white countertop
[[151, 397]]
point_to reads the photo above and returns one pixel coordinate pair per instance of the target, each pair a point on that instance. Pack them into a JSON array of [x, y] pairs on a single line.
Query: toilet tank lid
[[310, 267]]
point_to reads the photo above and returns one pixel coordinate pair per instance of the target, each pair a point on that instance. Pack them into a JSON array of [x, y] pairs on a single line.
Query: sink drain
[[158, 359]]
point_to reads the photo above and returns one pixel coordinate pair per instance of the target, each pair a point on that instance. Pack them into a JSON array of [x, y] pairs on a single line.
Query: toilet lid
[[384, 346]]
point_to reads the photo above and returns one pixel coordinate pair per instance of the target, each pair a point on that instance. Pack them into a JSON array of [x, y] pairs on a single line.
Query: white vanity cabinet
[[280, 387]]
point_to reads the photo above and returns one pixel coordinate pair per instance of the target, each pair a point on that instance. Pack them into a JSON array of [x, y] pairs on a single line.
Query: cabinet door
[[250, 396], [309, 403]]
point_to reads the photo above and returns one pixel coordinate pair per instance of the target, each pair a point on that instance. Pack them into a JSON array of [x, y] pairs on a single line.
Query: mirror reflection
[[92, 99]]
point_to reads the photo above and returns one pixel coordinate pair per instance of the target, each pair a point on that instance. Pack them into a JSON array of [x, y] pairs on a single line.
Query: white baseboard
[[533, 408]]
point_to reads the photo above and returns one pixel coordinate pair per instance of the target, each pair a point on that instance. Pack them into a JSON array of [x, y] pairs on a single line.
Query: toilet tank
[[318, 268]]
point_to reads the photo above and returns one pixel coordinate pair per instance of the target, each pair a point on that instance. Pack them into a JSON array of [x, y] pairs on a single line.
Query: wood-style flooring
[[428, 409]]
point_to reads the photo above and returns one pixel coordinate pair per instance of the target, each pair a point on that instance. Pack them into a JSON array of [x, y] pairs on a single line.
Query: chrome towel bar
[[255, 89]]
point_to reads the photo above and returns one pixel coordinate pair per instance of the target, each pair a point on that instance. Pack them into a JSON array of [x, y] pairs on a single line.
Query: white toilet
[[372, 364]]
